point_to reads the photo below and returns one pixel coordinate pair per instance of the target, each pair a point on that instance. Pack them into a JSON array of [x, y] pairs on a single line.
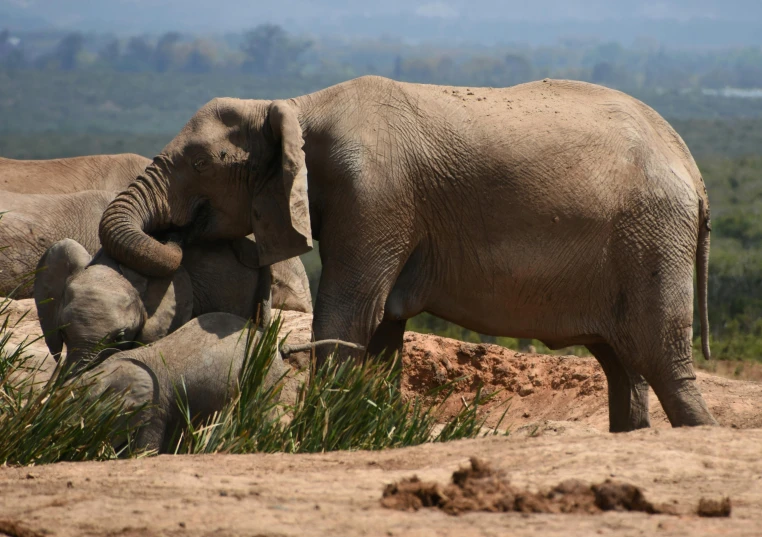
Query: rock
[[526, 389]]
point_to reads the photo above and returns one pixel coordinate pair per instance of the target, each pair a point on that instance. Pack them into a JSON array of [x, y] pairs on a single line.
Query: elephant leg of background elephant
[[388, 339], [628, 392]]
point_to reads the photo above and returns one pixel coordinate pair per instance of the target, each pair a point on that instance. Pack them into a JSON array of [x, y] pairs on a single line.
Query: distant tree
[[138, 55], [110, 53], [422, 70], [164, 53], [519, 69], [67, 51], [603, 73], [270, 51], [201, 58], [11, 54]]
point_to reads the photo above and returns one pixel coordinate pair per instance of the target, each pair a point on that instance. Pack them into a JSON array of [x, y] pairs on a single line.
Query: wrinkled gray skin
[[205, 355], [82, 301], [556, 210], [35, 221], [69, 175]]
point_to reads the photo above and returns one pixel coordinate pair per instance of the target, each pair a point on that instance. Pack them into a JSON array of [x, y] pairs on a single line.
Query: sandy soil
[[340, 493], [557, 417]]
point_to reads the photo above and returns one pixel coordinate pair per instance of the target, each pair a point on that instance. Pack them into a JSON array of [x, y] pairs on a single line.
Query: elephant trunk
[[125, 224]]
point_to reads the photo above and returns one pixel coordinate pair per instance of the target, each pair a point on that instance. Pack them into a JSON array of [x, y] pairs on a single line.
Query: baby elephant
[[204, 356], [83, 301]]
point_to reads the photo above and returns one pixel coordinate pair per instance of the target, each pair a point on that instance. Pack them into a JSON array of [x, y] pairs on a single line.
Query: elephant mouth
[[200, 224]]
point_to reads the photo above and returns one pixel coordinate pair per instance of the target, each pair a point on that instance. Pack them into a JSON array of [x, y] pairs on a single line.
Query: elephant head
[[236, 167], [84, 303], [138, 385]]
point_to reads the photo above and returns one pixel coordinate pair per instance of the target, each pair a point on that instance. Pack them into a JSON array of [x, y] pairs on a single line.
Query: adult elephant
[[31, 223], [556, 210], [68, 175]]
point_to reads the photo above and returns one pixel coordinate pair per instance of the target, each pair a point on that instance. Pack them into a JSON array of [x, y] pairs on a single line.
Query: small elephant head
[[140, 388], [84, 302]]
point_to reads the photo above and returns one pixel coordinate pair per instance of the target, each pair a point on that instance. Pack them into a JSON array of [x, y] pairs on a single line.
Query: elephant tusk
[[289, 349]]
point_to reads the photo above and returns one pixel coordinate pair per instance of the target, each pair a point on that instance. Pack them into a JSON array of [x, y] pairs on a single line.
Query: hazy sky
[[391, 17]]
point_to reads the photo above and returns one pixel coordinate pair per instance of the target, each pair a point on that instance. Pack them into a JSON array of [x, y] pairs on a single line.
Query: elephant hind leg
[[628, 391], [671, 374], [660, 351]]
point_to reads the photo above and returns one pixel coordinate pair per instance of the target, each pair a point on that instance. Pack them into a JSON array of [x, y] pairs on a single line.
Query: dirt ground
[[340, 493], [557, 418], [536, 387]]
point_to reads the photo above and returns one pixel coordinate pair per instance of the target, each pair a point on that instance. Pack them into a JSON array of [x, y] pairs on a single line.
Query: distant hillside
[[673, 23]]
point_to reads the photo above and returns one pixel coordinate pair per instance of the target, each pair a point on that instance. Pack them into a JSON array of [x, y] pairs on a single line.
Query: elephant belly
[[551, 298]]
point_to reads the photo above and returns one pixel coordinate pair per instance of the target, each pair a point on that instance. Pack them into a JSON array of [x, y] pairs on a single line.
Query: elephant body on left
[[70, 175], [83, 301], [33, 222]]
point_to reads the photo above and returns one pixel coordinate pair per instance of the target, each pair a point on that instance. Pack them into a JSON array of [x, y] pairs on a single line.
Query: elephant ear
[[60, 262], [129, 376], [280, 211], [291, 286], [168, 302], [245, 250]]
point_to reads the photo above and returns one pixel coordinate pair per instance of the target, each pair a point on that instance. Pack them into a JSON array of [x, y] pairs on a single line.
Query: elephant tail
[[702, 269]]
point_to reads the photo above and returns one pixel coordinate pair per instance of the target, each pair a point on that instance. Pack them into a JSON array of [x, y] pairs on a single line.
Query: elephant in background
[[33, 222], [556, 210], [69, 175], [84, 301]]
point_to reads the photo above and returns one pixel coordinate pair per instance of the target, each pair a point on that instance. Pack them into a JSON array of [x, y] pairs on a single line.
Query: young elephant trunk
[[142, 208]]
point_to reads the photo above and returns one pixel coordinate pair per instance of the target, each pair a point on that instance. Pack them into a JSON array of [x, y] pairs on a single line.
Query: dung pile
[[481, 488]]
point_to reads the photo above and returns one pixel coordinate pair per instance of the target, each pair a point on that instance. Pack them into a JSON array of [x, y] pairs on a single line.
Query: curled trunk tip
[[124, 229]]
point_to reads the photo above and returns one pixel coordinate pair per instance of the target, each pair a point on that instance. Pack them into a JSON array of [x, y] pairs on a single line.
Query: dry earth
[[558, 419]]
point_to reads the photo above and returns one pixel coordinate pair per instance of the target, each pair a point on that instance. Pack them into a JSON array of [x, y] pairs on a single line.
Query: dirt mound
[[481, 488], [536, 388]]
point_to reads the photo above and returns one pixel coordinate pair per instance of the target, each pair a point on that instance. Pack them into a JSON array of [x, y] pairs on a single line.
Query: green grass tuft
[[344, 406], [55, 421]]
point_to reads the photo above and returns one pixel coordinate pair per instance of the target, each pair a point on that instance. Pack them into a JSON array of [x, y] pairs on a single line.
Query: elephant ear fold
[[291, 286], [245, 250], [131, 377], [60, 262], [168, 304], [280, 211]]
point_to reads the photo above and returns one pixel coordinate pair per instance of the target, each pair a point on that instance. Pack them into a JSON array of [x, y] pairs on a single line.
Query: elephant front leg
[[151, 435], [628, 392], [351, 308]]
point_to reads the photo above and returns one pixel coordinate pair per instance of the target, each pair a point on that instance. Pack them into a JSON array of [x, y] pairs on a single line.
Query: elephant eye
[[199, 164], [119, 337]]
